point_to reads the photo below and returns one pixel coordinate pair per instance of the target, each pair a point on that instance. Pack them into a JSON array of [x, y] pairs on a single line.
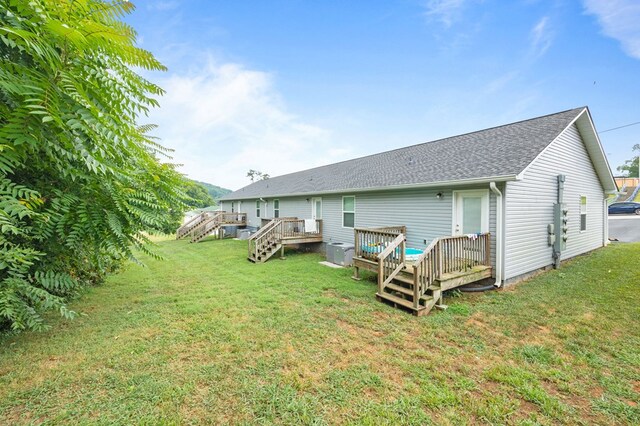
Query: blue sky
[[281, 86]]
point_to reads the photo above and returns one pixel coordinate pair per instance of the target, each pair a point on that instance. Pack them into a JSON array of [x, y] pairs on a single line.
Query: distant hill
[[215, 191]]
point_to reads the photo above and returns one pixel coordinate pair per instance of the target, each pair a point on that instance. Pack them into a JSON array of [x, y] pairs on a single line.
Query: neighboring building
[[501, 180]]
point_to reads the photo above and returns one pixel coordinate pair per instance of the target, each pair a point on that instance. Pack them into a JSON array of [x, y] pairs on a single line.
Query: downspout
[[499, 233]]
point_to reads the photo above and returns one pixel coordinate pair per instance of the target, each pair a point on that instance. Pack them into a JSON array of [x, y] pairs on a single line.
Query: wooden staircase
[[418, 286], [278, 233], [214, 223], [265, 243], [192, 223]]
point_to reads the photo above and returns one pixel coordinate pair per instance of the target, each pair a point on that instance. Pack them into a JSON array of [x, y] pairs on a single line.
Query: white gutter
[[499, 233]]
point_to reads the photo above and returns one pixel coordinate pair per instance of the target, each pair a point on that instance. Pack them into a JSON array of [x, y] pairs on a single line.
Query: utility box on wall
[[560, 223]]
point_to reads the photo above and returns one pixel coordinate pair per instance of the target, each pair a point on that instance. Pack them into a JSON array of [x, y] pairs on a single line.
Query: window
[[348, 212], [583, 213], [257, 208], [233, 210], [276, 208]]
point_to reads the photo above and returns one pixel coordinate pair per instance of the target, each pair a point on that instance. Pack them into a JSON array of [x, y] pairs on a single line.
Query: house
[[535, 189]]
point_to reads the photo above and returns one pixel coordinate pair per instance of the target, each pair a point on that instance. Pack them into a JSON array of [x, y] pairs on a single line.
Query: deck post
[[356, 273], [282, 251]]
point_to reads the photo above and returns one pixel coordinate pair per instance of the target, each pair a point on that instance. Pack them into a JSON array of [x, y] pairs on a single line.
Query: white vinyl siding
[[424, 214], [529, 206]]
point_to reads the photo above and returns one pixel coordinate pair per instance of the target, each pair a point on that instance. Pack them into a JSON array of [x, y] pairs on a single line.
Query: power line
[[620, 127]]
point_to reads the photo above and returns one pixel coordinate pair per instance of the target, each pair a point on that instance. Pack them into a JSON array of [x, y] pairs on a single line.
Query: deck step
[[408, 291], [407, 279], [400, 289], [400, 301]]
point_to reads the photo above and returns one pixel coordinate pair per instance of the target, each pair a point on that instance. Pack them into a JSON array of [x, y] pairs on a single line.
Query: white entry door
[[470, 212], [316, 208]]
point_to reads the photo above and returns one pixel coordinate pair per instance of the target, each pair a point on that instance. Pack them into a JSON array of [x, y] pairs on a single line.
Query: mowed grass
[[207, 337]]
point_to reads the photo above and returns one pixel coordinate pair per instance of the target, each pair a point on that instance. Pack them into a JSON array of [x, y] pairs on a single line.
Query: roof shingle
[[499, 151]]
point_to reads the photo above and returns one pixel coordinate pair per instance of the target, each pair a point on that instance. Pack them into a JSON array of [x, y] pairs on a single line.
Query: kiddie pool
[[412, 254]]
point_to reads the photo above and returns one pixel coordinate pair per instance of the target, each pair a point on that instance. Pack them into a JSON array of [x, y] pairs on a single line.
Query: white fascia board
[[520, 175], [590, 146], [600, 151], [474, 181]]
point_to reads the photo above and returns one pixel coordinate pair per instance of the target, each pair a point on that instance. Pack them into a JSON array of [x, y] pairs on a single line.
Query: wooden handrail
[[391, 261], [190, 224], [256, 238], [263, 229], [394, 244], [369, 242], [220, 218]]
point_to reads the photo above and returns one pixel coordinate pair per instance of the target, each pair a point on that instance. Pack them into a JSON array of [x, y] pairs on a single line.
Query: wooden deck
[[279, 233], [210, 223], [447, 263]]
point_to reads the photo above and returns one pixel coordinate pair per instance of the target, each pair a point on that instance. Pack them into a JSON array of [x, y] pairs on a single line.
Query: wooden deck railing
[[296, 228], [215, 221], [450, 254], [191, 223], [461, 253], [369, 242], [232, 218], [259, 238], [391, 261], [280, 230]]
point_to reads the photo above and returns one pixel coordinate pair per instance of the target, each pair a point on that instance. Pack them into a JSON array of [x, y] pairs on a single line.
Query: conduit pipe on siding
[[499, 233]]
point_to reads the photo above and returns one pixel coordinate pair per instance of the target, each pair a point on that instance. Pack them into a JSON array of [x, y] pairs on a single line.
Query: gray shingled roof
[[499, 151]]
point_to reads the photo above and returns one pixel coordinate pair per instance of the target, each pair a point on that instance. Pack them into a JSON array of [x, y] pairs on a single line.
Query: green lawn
[[207, 337]]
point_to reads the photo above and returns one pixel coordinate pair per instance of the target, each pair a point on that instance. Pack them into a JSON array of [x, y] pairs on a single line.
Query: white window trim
[[274, 208], [258, 209], [486, 206], [233, 204], [344, 211], [586, 213]]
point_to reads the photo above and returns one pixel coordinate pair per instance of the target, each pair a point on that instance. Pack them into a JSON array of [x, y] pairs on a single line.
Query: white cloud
[[620, 20], [224, 119], [446, 11], [541, 37]]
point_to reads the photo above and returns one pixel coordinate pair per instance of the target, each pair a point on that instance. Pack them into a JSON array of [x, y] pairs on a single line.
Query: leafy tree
[[215, 191], [81, 183], [630, 167], [257, 175], [199, 196]]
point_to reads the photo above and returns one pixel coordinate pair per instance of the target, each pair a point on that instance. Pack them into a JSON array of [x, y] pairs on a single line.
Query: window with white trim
[[233, 205], [348, 212], [583, 213], [257, 208], [276, 208]]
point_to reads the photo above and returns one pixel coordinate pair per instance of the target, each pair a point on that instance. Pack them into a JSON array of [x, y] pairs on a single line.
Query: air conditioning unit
[[340, 253]]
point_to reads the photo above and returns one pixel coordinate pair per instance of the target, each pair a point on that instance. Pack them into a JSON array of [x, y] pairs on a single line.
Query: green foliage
[[214, 190], [80, 180], [199, 195], [198, 198], [257, 175], [630, 167]]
